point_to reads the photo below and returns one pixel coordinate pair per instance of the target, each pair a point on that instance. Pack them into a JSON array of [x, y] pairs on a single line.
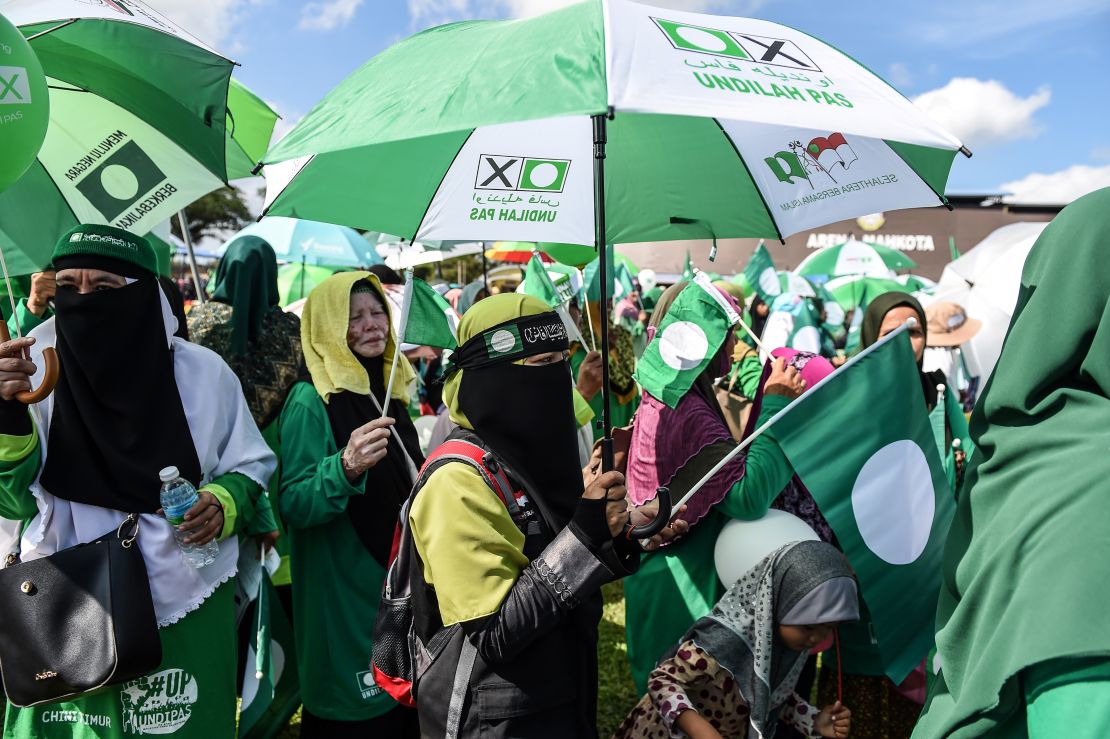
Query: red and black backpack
[[405, 641]]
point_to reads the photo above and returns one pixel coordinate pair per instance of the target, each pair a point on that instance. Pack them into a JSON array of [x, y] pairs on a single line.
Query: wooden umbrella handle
[[51, 369]]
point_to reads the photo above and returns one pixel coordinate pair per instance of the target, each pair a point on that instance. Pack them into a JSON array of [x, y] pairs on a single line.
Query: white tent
[[986, 281]]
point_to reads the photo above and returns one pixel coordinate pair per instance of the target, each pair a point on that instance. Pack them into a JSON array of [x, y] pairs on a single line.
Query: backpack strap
[[458, 450]]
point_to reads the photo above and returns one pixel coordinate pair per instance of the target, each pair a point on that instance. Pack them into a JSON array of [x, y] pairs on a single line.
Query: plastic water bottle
[[178, 496]]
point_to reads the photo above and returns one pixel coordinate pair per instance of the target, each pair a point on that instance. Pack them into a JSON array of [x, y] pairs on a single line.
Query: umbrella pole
[[183, 221], [304, 259], [485, 268], [600, 137]]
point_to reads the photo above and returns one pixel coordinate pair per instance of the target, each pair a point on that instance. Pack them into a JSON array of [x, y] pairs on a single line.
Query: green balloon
[[24, 104]]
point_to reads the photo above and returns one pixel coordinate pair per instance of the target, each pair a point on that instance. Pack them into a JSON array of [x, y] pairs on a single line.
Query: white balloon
[[742, 545], [647, 279]]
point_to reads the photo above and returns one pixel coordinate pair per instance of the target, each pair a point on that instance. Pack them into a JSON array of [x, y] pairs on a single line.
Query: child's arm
[[831, 721], [669, 685], [694, 726]]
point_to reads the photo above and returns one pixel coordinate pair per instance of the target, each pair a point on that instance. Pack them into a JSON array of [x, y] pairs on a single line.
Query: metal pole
[[600, 137], [183, 221], [485, 269]]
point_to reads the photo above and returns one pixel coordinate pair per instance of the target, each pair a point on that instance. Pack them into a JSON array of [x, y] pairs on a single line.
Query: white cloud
[[1061, 187], [212, 21], [327, 16], [285, 124], [252, 191], [898, 74], [984, 112]]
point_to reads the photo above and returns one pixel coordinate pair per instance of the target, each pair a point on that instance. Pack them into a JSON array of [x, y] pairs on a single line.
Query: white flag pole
[[590, 321], [406, 304], [758, 343], [775, 418], [575, 332]]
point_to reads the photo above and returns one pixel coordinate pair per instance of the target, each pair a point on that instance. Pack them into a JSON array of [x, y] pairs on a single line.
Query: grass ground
[[616, 694]]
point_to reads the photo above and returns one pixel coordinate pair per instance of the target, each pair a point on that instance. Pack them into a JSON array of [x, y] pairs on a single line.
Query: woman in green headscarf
[[244, 324], [517, 593], [1022, 640], [346, 471]]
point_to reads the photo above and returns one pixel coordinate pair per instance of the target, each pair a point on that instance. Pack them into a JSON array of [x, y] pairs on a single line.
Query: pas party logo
[[120, 180], [160, 703], [820, 157], [529, 174], [749, 47], [14, 87]]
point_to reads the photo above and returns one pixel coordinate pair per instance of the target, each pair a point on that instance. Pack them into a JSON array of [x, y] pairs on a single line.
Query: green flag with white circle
[[688, 338], [761, 274], [862, 444]]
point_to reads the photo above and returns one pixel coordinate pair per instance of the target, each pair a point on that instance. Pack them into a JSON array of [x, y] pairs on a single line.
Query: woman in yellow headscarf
[[346, 471], [511, 600]]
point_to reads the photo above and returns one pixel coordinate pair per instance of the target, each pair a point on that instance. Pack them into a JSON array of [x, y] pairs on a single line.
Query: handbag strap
[[129, 539]]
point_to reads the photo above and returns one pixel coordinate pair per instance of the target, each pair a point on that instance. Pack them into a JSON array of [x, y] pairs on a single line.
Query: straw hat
[[948, 324]]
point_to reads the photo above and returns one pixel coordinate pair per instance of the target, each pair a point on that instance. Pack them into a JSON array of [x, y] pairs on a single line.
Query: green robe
[[24, 320], [678, 584], [1024, 565], [336, 583]]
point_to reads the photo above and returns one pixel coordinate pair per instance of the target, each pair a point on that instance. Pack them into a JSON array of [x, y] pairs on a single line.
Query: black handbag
[[77, 621]]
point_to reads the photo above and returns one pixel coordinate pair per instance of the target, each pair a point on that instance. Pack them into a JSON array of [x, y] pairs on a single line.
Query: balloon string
[[11, 296], [839, 670]]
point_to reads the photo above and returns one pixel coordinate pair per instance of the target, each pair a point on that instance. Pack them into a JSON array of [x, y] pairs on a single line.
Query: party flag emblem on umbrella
[[694, 329], [701, 40], [882, 488], [832, 150]]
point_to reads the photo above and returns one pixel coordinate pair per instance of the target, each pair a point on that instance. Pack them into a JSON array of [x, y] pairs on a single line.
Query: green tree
[[219, 210]]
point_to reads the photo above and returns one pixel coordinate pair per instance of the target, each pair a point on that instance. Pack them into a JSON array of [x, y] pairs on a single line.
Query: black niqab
[[525, 414], [118, 417]]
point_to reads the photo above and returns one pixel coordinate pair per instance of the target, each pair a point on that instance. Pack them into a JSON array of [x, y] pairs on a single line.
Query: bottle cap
[[168, 473]]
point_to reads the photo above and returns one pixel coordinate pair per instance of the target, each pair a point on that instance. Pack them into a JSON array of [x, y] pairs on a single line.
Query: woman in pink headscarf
[[675, 447]]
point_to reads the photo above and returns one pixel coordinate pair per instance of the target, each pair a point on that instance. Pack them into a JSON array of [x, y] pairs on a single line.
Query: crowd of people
[[299, 435]]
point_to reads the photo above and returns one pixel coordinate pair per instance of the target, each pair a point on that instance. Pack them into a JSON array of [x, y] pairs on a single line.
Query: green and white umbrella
[[854, 257], [139, 123], [608, 122], [856, 291], [723, 127]]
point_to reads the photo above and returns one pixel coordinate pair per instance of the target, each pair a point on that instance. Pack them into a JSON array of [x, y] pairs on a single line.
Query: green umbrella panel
[[139, 124]]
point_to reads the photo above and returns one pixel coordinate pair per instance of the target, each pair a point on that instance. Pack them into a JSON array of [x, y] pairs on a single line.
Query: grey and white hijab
[[803, 583]]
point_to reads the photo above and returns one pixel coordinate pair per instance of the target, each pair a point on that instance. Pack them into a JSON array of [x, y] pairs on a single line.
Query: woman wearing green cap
[[346, 470], [514, 598], [132, 399]]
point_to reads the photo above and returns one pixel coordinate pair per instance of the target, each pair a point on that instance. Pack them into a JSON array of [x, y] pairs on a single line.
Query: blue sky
[[1025, 83]]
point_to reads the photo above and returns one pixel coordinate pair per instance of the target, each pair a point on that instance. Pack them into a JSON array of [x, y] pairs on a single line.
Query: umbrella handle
[[657, 524], [51, 371]]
